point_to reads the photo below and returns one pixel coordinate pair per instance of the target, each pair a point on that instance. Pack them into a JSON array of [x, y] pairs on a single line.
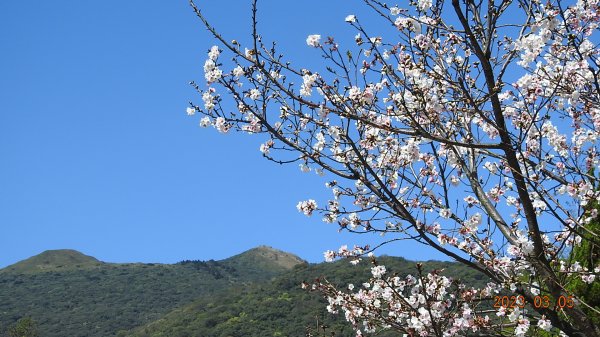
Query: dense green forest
[[256, 293], [279, 307]]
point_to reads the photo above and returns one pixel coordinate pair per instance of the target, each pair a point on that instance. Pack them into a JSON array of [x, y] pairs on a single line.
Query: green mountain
[[256, 293], [71, 294]]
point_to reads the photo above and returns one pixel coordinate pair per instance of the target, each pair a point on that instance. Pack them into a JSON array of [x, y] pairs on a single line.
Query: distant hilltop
[[54, 260], [266, 253]]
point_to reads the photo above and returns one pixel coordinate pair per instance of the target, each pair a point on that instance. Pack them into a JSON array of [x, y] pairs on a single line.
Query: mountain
[[280, 307], [255, 293], [70, 294], [53, 260]]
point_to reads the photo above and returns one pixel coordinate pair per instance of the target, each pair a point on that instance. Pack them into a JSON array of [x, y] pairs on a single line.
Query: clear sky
[[97, 153]]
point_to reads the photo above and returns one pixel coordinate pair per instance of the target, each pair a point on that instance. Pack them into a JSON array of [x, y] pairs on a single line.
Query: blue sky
[[97, 153]]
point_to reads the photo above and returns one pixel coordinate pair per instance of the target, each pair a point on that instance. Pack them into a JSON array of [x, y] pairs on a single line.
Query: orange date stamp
[[538, 302]]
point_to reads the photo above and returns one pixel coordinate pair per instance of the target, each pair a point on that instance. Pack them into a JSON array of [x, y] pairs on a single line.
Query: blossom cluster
[[423, 305], [480, 141]]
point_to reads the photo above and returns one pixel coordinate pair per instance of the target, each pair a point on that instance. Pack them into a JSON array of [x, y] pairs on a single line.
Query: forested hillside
[[280, 307], [69, 294], [256, 293]]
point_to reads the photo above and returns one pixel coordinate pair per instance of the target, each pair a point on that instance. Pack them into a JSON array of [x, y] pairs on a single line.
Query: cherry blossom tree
[[468, 126]]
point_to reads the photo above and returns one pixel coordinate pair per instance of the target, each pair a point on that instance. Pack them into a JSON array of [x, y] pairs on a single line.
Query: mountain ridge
[[69, 259], [65, 291]]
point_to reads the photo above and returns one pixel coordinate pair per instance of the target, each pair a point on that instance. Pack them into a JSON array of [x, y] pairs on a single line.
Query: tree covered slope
[[280, 307], [69, 294], [256, 293]]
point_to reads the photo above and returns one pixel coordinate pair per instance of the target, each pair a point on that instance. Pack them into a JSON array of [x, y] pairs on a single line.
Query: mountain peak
[[283, 259], [53, 260], [263, 257]]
